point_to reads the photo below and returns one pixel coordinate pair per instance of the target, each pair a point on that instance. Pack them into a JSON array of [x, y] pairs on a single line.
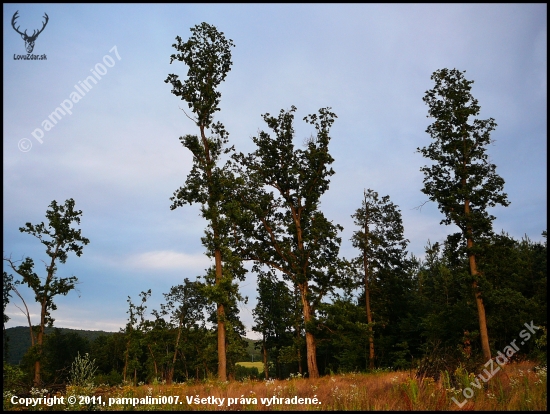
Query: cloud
[[167, 259]]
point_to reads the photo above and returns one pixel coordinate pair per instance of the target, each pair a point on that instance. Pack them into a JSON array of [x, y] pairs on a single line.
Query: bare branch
[[27, 313], [194, 120], [419, 208]]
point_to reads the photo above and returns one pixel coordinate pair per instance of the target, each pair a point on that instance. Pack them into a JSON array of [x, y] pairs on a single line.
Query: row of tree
[[264, 208], [422, 315]]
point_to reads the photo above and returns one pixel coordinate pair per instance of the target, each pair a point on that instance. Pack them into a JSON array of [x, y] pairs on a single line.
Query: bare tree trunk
[[264, 352], [222, 357], [369, 320], [154, 360], [484, 334], [171, 370], [311, 348], [40, 339], [367, 297], [479, 300]]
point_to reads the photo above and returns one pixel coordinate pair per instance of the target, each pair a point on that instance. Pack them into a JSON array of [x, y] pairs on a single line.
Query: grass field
[[259, 365], [518, 386]]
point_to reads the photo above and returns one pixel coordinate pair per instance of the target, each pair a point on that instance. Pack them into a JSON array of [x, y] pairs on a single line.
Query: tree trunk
[[479, 300], [40, 341], [311, 348], [369, 318], [264, 352], [367, 296], [154, 360], [222, 358], [171, 370], [125, 369], [484, 334]]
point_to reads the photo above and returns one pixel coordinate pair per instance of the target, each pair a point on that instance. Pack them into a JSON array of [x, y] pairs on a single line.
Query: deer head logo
[[29, 40]]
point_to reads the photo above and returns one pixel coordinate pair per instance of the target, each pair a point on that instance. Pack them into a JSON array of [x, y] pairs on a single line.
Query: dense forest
[[466, 301]]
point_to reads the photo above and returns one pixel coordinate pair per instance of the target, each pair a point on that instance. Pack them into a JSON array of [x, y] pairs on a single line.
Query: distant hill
[[20, 340]]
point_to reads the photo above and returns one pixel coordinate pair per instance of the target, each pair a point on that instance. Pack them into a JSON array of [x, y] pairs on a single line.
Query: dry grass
[[516, 387]]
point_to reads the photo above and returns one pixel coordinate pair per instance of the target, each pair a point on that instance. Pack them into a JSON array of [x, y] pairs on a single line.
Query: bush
[[242, 373], [82, 371], [13, 378], [113, 378]]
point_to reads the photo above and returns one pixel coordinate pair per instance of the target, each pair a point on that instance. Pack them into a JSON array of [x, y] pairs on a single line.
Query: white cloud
[[167, 259]]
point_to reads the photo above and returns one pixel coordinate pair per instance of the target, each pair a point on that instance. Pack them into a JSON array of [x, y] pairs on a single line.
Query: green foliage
[[275, 316], [59, 351], [7, 284], [60, 238], [246, 373], [112, 378], [461, 177], [284, 228], [343, 330], [515, 279], [13, 378], [207, 53], [7, 281], [275, 207], [82, 371], [382, 266], [380, 236]]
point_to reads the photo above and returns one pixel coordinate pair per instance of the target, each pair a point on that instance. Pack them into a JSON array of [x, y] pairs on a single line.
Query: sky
[[117, 153]]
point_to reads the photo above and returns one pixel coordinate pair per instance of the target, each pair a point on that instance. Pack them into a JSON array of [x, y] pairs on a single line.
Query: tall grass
[[518, 386]]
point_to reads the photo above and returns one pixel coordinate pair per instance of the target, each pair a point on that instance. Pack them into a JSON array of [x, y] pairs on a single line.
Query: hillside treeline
[[423, 309]]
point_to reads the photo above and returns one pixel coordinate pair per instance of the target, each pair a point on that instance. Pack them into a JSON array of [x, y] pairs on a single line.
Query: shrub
[[82, 371]]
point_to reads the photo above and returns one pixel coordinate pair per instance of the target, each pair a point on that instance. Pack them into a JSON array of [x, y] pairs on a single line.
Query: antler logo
[[29, 40]]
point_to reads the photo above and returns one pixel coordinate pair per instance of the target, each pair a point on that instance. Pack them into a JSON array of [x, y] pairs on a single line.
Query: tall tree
[[279, 216], [60, 239], [382, 245], [462, 180], [134, 333], [207, 54]]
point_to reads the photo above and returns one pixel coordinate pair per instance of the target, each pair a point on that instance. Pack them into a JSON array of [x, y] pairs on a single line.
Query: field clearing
[[520, 386], [259, 365]]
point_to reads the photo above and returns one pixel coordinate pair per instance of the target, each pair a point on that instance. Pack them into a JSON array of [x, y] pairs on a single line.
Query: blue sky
[[118, 154]]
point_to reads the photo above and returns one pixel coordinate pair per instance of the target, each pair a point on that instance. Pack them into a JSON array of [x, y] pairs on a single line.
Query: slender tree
[[60, 239], [462, 180], [207, 54], [279, 216], [185, 304], [382, 245], [134, 333]]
